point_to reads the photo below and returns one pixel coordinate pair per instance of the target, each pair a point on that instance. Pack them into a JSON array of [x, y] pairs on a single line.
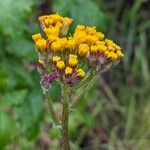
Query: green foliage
[[7, 128]]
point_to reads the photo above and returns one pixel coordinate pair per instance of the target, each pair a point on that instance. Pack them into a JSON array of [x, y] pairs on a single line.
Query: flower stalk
[[65, 118], [71, 60]]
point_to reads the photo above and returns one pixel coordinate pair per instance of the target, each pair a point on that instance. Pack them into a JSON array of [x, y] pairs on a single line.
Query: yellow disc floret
[[83, 49], [80, 73], [68, 71], [56, 58], [60, 64], [41, 44]]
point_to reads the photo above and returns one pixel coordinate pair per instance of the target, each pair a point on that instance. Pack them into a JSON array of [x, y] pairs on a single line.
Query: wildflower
[[68, 71], [66, 54], [36, 37], [60, 64], [41, 44], [83, 49], [80, 73], [56, 58]]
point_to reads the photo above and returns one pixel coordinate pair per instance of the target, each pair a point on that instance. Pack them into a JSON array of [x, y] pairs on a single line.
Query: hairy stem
[[51, 109], [65, 118]]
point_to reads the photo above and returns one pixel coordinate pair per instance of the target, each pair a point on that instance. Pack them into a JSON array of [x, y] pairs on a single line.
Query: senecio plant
[[73, 60]]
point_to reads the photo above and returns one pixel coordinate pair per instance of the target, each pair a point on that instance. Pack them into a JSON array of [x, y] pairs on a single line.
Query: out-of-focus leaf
[[12, 16], [14, 98], [22, 48], [30, 114], [90, 15], [3, 80], [18, 75], [7, 129]]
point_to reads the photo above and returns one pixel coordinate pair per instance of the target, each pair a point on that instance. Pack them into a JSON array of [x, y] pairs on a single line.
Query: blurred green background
[[115, 114]]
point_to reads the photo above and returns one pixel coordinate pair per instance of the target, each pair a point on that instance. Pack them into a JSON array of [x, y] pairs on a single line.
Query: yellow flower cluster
[[66, 52], [70, 65], [54, 24]]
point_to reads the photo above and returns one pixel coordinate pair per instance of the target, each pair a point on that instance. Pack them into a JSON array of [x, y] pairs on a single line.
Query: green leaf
[[14, 98], [7, 129], [18, 75], [12, 15], [22, 48], [3, 80], [30, 114]]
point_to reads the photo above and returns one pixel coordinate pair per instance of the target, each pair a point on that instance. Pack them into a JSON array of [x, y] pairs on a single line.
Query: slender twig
[[51, 109], [86, 90], [65, 118]]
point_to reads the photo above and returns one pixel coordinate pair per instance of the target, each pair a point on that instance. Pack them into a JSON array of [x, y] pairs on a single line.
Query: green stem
[[86, 90], [51, 109], [65, 118]]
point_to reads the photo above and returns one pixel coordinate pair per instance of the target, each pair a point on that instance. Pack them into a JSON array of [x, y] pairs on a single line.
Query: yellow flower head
[[91, 39], [94, 48], [60, 64], [52, 31], [41, 44], [80, 28], [113, 56], [73, 61], [80, 73], [55, 47], [119, 54], [99, 35], [83, 49], [71, 44], [73, 56], [56, 58], [63, 43], [90, 30], [36, 37], [68, 71], [101, 48]]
